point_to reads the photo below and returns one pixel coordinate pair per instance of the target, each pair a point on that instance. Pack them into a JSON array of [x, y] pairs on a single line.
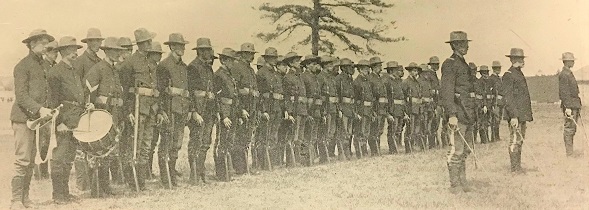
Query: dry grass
[[416, 181]]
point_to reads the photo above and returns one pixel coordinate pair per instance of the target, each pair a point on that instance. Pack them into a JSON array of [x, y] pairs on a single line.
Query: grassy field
[[416, 181]]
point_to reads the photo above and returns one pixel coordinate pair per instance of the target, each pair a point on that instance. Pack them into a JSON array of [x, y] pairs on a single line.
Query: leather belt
[[383, 100], [178, 92], [113, 101], [480, 97], [471, 94], [248, 91], [499, 97], [144, 91], [490, 96], [347, 100], [202, 93], [226, 101], [427, 99], [416, 100], [367, 103], [310, 100], [318, 102], [276, 96], [398, 102], [333, 100]]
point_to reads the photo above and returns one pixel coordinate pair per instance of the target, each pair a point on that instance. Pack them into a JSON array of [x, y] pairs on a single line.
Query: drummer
[[104, 85], [65, 87]]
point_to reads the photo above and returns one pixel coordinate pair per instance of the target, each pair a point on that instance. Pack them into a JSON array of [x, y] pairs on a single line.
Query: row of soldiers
[[292, 111]]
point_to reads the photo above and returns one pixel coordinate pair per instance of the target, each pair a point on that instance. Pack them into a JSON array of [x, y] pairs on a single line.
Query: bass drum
[[94, 132]]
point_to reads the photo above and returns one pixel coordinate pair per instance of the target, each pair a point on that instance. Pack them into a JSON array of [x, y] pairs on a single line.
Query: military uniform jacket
[[363, 96], [138, 71], [426, 93], [270, 87], [314, 99], [84, 63], [328, 91], [396, 96], [227, 97], [568, 90], [173, 85], [517, 97], [247, 86], [30, 88], [484, 94], [345, 90], [48, 64], [295, 93], [379, 92], [431, 77], [495, 81], [200, 85], [457, 89], [65, 87], [412, 91], [104, 84]]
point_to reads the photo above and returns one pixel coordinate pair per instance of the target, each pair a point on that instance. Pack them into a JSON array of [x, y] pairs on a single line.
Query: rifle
[[135, 136], [167, 144]]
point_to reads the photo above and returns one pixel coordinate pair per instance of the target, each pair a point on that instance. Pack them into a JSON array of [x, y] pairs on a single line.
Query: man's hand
[[485, 109], [266, 116], [340, 114], [453, 121], [568, 112], [227, 122], [90, 106], [44, 112], [132, 119], [160, 119], [245, 114], [514, 122], [62, 128], [358, 117], [197, 118], [406, 117]]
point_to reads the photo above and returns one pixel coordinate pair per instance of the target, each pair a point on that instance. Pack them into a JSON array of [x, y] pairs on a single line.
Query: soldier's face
[[399, 73], [125, 54], [154, 56], [377, 68], [329, 66], [270, 60], [435, 66], [178, 49], [38, 46], [113, 54], [413, 72], [461, 47], [497, 70], [348, 69], [51, 55], [296, 63], [485, 74], [364, 70], [144, 45], [94, 44], [569, 64], [517, 62], [247, 56], [282, 68], [69, 53]]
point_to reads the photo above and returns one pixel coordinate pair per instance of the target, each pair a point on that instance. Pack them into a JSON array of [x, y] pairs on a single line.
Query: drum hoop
[[82, 135]]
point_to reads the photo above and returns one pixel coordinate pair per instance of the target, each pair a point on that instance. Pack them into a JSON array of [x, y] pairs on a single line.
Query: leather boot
[[512, 161], [17, 193], [173, 176], [454, 172], [103, 178], [149, 168], [200, 167], [164, 173], [192, 165], [463, 182], [58, 193], [408, 145], [358, 148], [372, 143], [26, 187], [323, 153], [568, 144], [220, 166], [141, 175]]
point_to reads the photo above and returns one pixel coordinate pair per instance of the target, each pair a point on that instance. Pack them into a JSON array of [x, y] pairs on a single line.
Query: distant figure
[[568, 91]]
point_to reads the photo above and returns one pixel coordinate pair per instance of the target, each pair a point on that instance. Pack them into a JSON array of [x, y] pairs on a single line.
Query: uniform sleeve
[[53, 92], [447, 88], [21, 90], [507, 89], [196, 82], [163, 81], [218, 87], [91, 82], [287, 85], [127, 81], [262, 81], [564, 90]]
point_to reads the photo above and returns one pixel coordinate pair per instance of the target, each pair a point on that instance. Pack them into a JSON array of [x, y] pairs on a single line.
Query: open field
[[416, 181]]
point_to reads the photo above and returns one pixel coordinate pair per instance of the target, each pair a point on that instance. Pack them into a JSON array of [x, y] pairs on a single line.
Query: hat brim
[[574, 59], [372, 64], [202, 47], [247, 51], [516, 56], [269, 55], [391, 67], [307, 61], [91, 38], [112, 48], [468, 40], [227, 56], [411, 68], [174, 42], [155, 51], [73, 45], [433, 63], [292, 58], [151, 36], [49, 38]]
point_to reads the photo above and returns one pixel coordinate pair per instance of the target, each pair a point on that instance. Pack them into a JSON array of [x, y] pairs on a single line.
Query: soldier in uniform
[[347, 112], [396, 109], [412, 90], [271, 107], [82, 64], [377, 81], [173, 84], [457, 98], [364, 110], [203, 108], [261, 62], [430, 76], [427, 111], [518, 106], [125, 42], [498, 102], [296, 106], [229, 113], [248, 98], [484, 97], [30, 89], [139, 79], [314, 103], [65, 87], [105, 89], [154, 56], [328, 91], [568, 91]]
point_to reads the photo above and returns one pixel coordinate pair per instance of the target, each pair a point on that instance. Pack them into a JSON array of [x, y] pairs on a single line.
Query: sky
[[543, 28]]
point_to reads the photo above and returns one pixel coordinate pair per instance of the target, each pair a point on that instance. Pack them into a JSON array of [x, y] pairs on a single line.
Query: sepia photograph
[[294, 104]]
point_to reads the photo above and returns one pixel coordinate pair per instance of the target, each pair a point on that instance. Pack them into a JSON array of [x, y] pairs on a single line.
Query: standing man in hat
[[31, 97], [473, 70], [66, 88], [518, 106], [248, 93], [377, 81], [50, 56], [296, 106], [125, 42], [106, 91], [430, 76], [203, 108], [175, 97], [457, 84], [484, 97], [364, 110], [270, 86], [154, 55], [347, 111], [413, 92], [427, 108], [568, 92], [329, 109], [139, 79], [314, 101], [498, 102], [82, 64], [396, 109], [260, 63]]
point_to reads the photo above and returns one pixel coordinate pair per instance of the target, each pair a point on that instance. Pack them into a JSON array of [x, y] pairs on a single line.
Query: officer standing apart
[[457, 84], [498, 102], [568, 91], [518, 106]]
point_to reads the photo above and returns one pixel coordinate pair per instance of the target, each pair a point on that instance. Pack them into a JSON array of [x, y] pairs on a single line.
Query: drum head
[[93, 125]]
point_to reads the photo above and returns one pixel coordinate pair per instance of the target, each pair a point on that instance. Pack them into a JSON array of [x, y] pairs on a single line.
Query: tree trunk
[[315, 28]]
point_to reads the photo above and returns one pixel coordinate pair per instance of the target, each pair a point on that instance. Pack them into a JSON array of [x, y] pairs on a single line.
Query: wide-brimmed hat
[[310, 58], [67, 41], [458, 36], [472, 65], [51, 45], [142, 34], [412, 66], [156, 47], [516, 52], [93, 33], [291, 56], [392, 65], [175, 38], [568, 56], [247, 47], [483, 68], [280, 60], [228, 52], [363, 63], [261, 61], [345, 62], [375, 60], [496, 64], [36, 34], [434, 60], [111, 43], [270, 51], [327, 59], [126, 42], [203, 42]]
